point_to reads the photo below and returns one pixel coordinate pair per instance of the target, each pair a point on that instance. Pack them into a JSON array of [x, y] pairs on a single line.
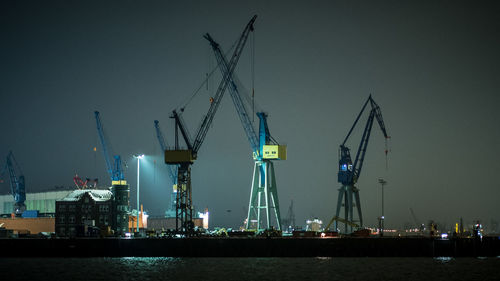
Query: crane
[[17, 183], [114, 169], [350, 172], [172, 169], [264, 150], [184, 158]]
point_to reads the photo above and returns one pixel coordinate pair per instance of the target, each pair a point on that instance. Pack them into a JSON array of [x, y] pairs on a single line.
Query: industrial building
[[44, 202]]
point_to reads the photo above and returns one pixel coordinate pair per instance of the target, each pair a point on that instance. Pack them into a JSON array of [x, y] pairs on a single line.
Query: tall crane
[[17, 183], [264, 194], [350, 172], [186, 157], [114, 169], [172, 169]]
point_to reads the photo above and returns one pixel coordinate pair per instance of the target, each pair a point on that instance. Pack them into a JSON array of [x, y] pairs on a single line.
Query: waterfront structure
[[86, 213], [44, 202]]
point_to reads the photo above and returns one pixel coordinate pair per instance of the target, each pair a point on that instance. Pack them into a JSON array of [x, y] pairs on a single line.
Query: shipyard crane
[[349, 171], [264, 194], [172, 169], [17, 183], [185, 157], [114, 169]]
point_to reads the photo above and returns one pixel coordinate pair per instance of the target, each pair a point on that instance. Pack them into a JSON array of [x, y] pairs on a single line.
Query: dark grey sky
[[432, 66]]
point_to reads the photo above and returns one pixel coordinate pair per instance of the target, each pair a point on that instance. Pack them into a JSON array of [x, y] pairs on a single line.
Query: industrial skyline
[[431, 66]]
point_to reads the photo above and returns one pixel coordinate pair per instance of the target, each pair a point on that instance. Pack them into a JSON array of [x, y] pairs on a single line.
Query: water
[[262, 269]]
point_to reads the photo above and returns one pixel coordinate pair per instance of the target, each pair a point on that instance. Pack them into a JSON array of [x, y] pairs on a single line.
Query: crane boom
[[257, 143], [114, 170], [205, 125], [349, 172], [235, 96]]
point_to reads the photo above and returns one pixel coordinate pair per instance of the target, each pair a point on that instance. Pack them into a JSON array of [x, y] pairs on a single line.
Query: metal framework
[[185, 157], [349, 173], [264, 193]]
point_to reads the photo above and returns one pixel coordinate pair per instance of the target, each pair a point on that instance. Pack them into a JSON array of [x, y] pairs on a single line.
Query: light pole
[[139, 157], [381, 221]]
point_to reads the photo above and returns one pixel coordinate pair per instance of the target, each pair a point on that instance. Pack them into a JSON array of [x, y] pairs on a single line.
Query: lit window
[[344, 167]]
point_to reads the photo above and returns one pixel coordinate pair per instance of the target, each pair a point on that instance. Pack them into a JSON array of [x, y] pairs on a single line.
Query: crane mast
[[263, 195], [172, 169], [184, 158], [349, 171]]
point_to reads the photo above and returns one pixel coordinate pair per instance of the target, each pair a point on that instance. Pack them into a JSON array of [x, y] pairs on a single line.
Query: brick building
[[87, 212]]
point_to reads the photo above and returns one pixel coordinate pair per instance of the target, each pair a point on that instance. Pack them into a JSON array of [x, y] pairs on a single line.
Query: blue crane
[[349, 171], [114, 169], [264, 149], [17, 183], [184, 158]]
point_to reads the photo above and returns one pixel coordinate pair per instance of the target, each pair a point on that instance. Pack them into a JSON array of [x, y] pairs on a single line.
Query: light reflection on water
[[206, 269]]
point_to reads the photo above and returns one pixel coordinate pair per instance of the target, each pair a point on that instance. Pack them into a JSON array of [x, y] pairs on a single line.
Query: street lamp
[[381, 220], [139, 157]]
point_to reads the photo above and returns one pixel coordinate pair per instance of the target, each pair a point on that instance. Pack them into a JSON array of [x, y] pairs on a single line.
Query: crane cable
[[253, 75], [183, 106]]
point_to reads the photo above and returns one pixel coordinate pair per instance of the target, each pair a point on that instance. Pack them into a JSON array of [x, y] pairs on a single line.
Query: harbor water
[[206, 269]]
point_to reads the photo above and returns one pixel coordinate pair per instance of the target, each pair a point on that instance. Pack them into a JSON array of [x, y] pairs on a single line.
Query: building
[[44, 202], [87, 212]]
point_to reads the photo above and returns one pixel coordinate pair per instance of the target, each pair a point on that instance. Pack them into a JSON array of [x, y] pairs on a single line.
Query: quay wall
[[249, 247]]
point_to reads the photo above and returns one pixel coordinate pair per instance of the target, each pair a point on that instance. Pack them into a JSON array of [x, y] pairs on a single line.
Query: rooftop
[[96, 194]]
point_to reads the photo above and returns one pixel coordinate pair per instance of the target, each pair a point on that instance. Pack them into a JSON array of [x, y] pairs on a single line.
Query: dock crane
[[172, 169], [114, 169], [17, 183], [184, 158], [264, 150], [350, 172]]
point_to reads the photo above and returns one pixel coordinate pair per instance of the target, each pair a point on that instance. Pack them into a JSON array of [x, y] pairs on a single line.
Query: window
[[62, 207], [71, 219], [71, 208], [61, 219]]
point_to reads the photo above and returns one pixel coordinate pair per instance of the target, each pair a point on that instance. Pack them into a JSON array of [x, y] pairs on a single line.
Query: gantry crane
[[350, 172], [172, 169], [115, 170], [264, 193], [17, 183], [184, 158]]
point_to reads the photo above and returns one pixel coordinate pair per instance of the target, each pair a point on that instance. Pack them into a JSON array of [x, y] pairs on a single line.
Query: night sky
[[432, 66]]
